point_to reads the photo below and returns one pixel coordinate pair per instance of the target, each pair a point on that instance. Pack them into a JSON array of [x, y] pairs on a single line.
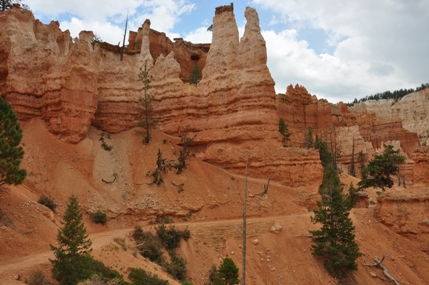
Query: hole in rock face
[[195, 57]]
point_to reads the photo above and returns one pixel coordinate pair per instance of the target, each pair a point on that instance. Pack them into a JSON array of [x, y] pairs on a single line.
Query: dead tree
[[115, 176], [265, 188], [243, 231], [179, 186], [378, 264], [123, 43]]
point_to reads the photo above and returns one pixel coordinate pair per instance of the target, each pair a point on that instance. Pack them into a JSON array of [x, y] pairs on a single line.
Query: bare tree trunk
[[123, 43], [243, 278]]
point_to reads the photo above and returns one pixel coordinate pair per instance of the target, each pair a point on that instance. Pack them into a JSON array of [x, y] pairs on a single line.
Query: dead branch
[[378, 264], [240, 231], [115, 175], [265, 188], [180, 186]]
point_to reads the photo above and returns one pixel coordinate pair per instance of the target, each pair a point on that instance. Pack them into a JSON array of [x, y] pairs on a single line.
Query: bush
[[177, 267], [98, 217], [170, 237], [148, 245], [37, 278], [48, 202], [140, 276]]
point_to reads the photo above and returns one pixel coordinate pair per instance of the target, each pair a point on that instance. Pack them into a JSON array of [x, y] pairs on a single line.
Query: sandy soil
[[210, 206]]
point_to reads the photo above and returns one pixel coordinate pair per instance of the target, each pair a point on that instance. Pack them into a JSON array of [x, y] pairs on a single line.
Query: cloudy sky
[[339, 50]]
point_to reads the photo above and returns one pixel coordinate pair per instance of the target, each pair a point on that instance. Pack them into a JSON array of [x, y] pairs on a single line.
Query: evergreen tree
[[335, 242], [185, 152], [353, 195], [284, 131], [195, 76], [379, 170], [145, 117], [72, 261], [227, 273], [352, 169], [362, 160], [11, 153], [308, 139], [325, 155], [162, 166]]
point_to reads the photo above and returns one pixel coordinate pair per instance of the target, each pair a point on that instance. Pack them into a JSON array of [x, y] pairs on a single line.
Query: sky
[[339, 50]]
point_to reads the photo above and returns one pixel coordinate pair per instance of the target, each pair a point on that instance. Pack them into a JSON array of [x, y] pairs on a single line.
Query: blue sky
[[339, 50]]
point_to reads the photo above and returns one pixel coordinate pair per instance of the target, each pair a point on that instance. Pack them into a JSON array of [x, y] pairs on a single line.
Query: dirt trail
[[223, 227]]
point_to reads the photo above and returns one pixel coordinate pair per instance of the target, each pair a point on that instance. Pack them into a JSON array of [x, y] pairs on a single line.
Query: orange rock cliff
[[73, 84]]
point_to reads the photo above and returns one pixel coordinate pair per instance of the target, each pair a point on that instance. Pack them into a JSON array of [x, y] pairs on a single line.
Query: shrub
[[148, 245], [140, 276], [177, 267], [187, 283], [98, 217], [121, 242], [170, 237], [37, 278], [48, 202]]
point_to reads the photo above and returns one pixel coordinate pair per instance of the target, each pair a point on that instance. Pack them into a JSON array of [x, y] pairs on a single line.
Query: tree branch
[[378, 264]]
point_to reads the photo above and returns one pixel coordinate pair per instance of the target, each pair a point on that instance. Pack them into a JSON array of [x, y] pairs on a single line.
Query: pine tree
[[352, 169], [362, 160], [185, 152], [379, 170], [195, 76], [324, 153], [145, 117], [11, 153], [284, 131], [335, 242], [72, 261], [162, 166], [227, 273], [308, 139]]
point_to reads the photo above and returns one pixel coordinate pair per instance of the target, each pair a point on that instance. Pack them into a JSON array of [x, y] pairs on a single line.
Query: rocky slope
[[67, 92]]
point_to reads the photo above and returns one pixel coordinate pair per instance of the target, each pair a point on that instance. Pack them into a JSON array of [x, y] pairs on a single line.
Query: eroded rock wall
[[44, 73], [232, 111]]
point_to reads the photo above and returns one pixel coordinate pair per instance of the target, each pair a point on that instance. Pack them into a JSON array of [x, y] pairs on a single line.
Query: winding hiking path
[[214, 230]]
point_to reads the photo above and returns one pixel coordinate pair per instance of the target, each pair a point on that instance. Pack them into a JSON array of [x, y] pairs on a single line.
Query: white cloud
[[106, 17], [378, 45]]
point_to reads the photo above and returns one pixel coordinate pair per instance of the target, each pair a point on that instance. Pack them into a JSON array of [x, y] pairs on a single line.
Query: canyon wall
[[73, 84]]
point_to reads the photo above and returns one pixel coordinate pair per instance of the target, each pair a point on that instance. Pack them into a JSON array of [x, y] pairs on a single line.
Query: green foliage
[[227, 273], [324, 153], [48, 202], [104, 145], [195, 76], [284, 131], [184, 153], [308, 139], [98, 217], [72, 256], [162, 167], [140, 277], [352, 168], [177, 267], [187, 283], [379, 170], [170, 237], [353, 195], [37, 278], [335, 242], [212, 274], [397, 94], [11, 153], [362, 161], [144, 108], [148, 245]]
